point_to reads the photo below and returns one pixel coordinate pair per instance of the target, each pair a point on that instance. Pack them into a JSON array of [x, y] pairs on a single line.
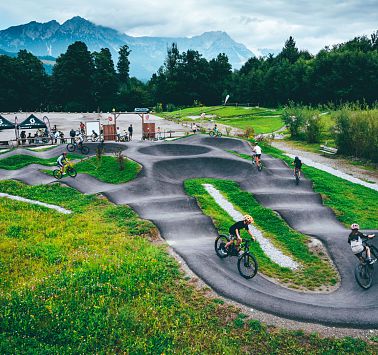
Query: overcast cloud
[[256, 24]]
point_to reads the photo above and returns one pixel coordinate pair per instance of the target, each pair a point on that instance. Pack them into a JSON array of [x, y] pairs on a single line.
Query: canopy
[[5, 124], [32, 122]]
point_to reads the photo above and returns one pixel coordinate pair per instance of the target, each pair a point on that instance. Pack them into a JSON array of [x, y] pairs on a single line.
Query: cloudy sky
[[257, 24]]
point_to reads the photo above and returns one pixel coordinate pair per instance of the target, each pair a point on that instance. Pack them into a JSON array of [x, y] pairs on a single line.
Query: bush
[[249, 132], [314, 128], [357, 132]]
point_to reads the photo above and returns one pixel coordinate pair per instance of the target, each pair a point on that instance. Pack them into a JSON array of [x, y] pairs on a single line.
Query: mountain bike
[[297, 175], [259, 165], [364, 271], [213, 133], [247, 264], [67, 168], [71, 147]]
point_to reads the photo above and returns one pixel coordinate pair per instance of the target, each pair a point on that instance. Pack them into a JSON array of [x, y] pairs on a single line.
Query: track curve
[[158, 195]]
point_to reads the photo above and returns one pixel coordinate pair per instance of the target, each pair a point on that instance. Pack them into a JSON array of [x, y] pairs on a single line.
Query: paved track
[[158, 195]]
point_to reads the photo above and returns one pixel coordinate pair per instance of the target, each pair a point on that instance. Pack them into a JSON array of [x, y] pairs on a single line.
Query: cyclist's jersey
[[61, 160], [355, 241], [237, 226], [257, 150], [297, 164]]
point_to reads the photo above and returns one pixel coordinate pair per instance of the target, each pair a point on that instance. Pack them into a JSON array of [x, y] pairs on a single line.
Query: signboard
[[142, 110], [5, 124], [31, 122]]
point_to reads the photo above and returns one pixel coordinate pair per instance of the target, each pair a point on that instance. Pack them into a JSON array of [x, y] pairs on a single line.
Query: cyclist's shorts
[[359, 255], [258, 155]]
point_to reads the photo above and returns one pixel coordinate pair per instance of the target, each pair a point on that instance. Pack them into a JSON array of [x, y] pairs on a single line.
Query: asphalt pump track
[[157, 194]]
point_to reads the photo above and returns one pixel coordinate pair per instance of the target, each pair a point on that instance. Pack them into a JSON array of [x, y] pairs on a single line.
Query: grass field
[[351, 203], [93, 282], [107, 169], [262, 120], [15, 162], [315, 271]]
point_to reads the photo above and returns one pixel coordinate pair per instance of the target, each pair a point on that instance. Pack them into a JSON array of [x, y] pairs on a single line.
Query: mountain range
[[147, 53]]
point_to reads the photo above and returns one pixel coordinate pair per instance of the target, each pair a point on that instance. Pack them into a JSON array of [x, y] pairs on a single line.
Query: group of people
[[35, 138], [126, 136]]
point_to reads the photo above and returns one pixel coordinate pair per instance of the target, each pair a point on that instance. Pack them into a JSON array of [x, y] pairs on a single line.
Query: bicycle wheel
[[219, 134], [211, 134], [219, 245], [71, 147], [57, 174], [84, 150], [364, 275], [260, 166], [297, 178], [247, 265], [71, 172]]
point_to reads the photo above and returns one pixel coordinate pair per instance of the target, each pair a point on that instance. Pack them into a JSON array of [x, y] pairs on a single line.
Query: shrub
[[314, 128], [357, 132], [249, 132], [228, 130], [120, 159]]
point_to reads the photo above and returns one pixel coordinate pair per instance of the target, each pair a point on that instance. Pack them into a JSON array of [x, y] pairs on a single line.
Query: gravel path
[[339, 167], [269, 249]]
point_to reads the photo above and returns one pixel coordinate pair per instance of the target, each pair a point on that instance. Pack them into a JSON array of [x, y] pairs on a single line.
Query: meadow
[[100, 281]]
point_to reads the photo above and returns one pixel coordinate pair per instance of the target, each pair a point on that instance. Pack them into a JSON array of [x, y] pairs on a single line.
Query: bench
[[328, 150]]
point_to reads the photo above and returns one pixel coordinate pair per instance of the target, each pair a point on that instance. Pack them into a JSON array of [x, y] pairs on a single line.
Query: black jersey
[[237, 226]]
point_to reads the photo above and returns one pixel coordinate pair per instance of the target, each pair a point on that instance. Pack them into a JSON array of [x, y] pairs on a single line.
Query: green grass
[[314, 273], [262, 120], [107, 169], [15, 162], [92, 282], [351, 203]]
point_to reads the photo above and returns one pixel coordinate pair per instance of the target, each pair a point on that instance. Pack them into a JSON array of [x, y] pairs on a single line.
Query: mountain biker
[[355, 240], [62, 161], [94, 134], [235, 229], [256, 149], [215, 129], [79, 139], [297, 165]]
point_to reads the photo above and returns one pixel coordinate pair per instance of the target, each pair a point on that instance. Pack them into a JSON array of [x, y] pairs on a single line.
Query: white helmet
[[354, 226]]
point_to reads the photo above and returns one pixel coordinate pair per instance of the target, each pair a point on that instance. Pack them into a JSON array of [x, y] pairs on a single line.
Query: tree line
[[85, 81]]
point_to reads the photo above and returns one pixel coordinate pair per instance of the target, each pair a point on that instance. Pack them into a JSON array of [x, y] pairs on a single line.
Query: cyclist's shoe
[[371, 261]]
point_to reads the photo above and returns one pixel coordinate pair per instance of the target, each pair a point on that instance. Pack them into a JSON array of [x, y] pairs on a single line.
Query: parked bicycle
[[67, 169], [214, 133], [259, 164], [364, 271], [247, 264], [71, 147]]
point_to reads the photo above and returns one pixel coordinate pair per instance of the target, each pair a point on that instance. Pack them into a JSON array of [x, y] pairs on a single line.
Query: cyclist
[[235, 229], [215, 129], [62, 161], [297, 165], [94, 135], [355, 240], [256, 149], [79, 139]]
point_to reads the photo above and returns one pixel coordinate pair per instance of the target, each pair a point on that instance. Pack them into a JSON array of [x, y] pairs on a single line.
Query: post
[[142, 126]]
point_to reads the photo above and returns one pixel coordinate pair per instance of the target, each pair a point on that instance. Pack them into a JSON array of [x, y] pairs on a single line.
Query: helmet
[[354, 226], [248, 218], [64, 153]]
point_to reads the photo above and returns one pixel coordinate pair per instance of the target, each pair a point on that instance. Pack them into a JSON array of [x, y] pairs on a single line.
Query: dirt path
[[336, 163]]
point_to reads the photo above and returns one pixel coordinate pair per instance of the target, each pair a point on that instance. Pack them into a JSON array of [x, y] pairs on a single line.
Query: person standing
[[118, 134], [130, 129], [194, 128], [82, 128]]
